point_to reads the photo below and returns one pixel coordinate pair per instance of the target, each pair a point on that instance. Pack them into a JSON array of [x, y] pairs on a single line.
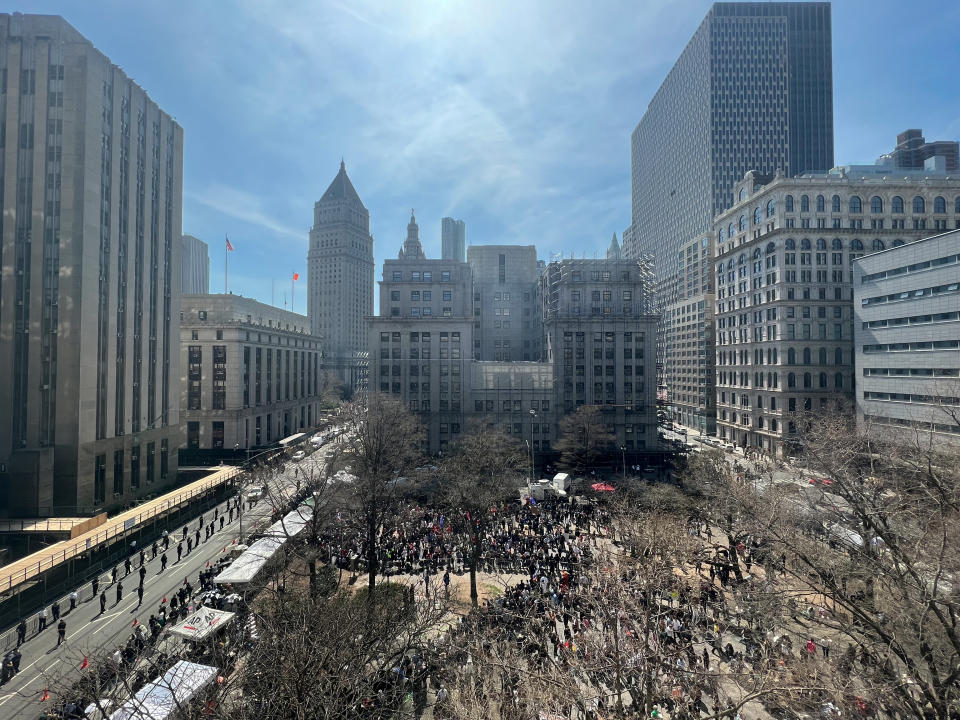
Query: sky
[[512, 116]]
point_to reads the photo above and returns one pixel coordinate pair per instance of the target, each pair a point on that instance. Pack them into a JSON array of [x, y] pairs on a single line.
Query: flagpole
[[225, 264], [292, 281], [271, 293]]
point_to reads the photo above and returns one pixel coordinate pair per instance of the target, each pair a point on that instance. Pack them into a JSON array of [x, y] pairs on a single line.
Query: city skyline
[[450, 129]]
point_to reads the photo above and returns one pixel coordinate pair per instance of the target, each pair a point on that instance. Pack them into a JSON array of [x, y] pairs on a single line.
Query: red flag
[[229, 246], [86, 662], [45, 696], [296, 276], [135, 622]]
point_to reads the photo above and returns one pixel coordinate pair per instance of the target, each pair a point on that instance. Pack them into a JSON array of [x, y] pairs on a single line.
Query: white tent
[[245, 568], [166, 695], [202, 624]]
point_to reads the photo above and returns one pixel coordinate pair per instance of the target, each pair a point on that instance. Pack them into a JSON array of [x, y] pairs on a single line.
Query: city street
[[90, 633]]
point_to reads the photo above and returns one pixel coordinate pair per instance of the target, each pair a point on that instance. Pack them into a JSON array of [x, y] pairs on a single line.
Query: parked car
[[299, 455]]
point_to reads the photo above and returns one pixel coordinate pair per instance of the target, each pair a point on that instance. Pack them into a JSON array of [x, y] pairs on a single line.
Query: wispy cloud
[[245, 207]]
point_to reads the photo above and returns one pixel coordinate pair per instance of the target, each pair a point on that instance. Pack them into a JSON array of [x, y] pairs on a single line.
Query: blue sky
[[513, 116]]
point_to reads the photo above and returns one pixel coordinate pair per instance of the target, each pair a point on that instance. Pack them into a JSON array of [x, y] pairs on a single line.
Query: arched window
[[855, 204], [939, 204], [760, 422], [790, 244], [742, 195], [756, 254], [773, 425], [807, 380], [838, 380], [742, 225], [770, 248], [804, 203], [836, 203], [791, 357], [806, 356], [821, 203], [878, 245], [771, 207], [838, 357], [805, 244], [742, 259], [897, 243], [731, 231], [730, 264], [788, 201], [919, 205], [876, 204], [823, 379], [791, 380], [821, 244], [822, 356], [837, 244], [896, 204], [856, 245], [757, 215]]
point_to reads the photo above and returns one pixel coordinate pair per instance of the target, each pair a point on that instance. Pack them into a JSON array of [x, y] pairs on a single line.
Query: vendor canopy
[[202, 624], [166, 695]]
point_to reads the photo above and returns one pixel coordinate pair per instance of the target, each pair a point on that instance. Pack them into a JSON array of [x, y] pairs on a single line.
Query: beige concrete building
[[689, 339], [250, 374], [784, 287], [91, 229], [504, 301], [340, 277]]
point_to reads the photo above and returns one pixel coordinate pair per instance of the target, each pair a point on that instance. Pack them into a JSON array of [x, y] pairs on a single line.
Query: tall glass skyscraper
[[751, 91]]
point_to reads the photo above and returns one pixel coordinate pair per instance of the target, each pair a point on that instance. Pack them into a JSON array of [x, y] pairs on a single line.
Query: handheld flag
[[86, 662]]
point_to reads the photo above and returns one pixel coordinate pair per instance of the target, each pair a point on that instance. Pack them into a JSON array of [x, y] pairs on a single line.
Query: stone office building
[[599, 336], [90, 245], [784, 287], [907, 338], [504, 301], [420, 344], [251, 374], [689, 339]]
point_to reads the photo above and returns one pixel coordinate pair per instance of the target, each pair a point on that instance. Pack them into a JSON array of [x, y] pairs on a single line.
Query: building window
[[835, 203], [216, 434], [876, 204], [821, 204], [897, 204], [855, 204], [919, 205]]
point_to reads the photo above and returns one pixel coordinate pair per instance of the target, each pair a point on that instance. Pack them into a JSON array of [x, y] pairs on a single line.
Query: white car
[[299, 455]]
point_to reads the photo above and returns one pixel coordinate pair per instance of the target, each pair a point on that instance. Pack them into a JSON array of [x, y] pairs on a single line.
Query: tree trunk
[[371, 550], [474, 559]]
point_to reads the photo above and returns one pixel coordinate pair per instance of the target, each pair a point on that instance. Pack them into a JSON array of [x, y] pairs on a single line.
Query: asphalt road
[[88, 633]]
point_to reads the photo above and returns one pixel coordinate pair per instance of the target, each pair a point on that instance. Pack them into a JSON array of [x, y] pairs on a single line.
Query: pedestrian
[[96, 584], [126, 567], [142, 558], [55, 610], [103, 602], [163, 562], [221, 522], [198, 537], [231, 515], [179, 551], [446, 583], [21, 632], [113, 574], [119, 592], [153, 550], [140, 596], [41, 620], [73, 600], [166, 540], [811, 648], [61, 632], [189, 545], [825, 647], [184, 532], [143, 574]]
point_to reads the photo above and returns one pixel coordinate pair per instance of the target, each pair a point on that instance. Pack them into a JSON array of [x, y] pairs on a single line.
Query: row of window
[[600, 336], [947, 289], [420, 336], [914, 267], [421, 276], [415, 295], [912, 346], [911, 372], [913, 320], [855, 204], [912, 398], [902, 422]]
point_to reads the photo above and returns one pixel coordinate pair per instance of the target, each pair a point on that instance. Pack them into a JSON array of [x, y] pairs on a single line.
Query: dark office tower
[[751, 91]]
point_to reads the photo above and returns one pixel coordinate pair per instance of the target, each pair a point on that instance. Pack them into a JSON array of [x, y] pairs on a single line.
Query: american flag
[[229, 246]]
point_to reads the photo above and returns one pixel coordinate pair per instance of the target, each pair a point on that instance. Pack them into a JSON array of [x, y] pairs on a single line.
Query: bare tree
[[485, 468], [880, 539], [381, 443], [583, 438]]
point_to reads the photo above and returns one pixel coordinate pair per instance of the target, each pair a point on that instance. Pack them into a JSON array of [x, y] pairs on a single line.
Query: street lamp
[[533, 416]]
